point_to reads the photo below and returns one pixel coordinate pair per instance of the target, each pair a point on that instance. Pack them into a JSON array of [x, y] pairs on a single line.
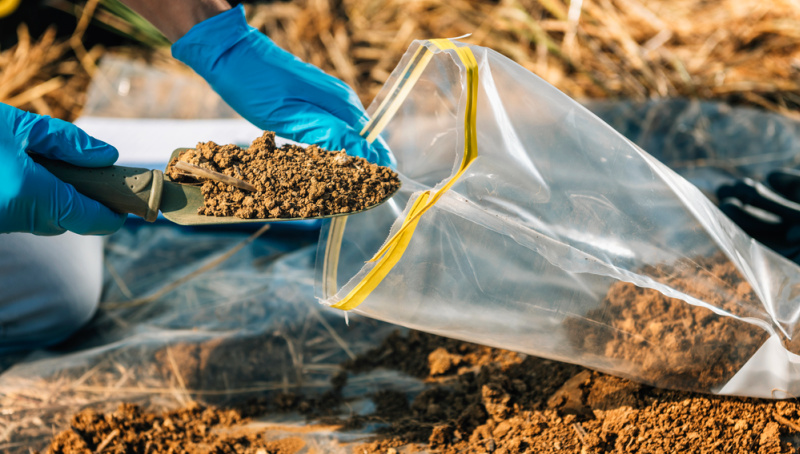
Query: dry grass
[[49, 75], [42, 76], [742, 51]]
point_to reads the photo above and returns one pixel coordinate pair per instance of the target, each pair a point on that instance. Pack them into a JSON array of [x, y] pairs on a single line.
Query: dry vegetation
[[743, 51], [740, 50], [48, 75]]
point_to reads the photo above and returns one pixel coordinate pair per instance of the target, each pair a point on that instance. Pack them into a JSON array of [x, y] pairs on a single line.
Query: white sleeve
[[49, 287]]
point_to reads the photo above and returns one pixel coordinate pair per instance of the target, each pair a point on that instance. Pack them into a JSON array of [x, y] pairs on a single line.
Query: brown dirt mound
[[676, 345], [192, 429], [481, 399], [291, 181], [422, 355], [529, 404], [489, 400]]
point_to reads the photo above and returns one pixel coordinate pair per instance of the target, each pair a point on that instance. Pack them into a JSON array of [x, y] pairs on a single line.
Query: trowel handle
[[123, 189]]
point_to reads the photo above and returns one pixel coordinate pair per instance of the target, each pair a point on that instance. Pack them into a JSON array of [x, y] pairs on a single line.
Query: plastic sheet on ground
[[165, 335]]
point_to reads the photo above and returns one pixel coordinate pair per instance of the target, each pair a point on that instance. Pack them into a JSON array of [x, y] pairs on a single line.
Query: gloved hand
[[769, 211], [273, 89], [31, 198]]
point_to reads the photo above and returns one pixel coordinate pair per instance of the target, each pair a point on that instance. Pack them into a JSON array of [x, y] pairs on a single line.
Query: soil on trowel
[[669, 342], [291, 181]]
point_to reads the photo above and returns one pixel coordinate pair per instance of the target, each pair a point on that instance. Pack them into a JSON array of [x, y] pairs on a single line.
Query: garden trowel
[[145, 192]]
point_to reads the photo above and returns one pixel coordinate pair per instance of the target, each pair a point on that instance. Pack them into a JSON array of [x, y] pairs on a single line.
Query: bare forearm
[[175, 17]]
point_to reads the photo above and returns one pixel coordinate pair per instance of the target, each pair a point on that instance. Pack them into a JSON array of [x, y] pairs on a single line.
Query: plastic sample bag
[[525, 222]]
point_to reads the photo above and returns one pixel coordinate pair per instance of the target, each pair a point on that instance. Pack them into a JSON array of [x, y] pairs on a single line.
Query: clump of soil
[[528, 404], [194, 429], [488, 400], [291, 181], [478, 399], [675, 344], [422, 355]]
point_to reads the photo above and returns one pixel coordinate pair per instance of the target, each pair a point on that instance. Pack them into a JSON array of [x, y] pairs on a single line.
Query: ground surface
[[476, 399]]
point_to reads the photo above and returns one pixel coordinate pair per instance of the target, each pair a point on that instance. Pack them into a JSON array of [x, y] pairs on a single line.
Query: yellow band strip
[[385, 111], [402, 86], [391, 253], [381, 269], [426, 57], [8, 6], [364, 132], [470, 134], [333, 247]]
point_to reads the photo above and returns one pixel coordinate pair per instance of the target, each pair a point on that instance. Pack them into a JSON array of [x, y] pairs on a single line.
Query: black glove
[[769, 211]]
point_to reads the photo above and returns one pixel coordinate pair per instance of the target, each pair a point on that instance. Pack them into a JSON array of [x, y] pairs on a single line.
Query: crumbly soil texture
[[481, 400], [291, 181], [675, 344], [476, 400], [193, 429]]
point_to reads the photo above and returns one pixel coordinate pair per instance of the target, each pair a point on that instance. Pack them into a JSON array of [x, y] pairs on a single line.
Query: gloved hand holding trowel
[[268, 86]]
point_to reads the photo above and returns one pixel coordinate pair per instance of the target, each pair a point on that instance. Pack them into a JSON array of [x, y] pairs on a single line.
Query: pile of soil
[[501, 402], [194, 429], [476, 399], [675, 344], [291, 181]]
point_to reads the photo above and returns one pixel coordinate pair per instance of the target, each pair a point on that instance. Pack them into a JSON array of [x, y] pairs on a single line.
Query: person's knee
[[52, 288], [78, 296]]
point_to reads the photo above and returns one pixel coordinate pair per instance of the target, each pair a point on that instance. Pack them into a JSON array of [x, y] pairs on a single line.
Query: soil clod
[[192, 429], [494, 401], [290, 181], [673, 343]]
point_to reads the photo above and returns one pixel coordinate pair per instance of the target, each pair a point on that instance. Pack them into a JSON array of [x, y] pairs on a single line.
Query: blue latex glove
[[31, 198], [273, 89]]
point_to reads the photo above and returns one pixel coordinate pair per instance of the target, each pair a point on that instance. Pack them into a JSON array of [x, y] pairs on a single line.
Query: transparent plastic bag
[[707, 143], [526, 222]]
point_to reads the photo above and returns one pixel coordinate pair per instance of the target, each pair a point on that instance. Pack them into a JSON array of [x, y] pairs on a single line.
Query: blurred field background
[[738, 51]]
